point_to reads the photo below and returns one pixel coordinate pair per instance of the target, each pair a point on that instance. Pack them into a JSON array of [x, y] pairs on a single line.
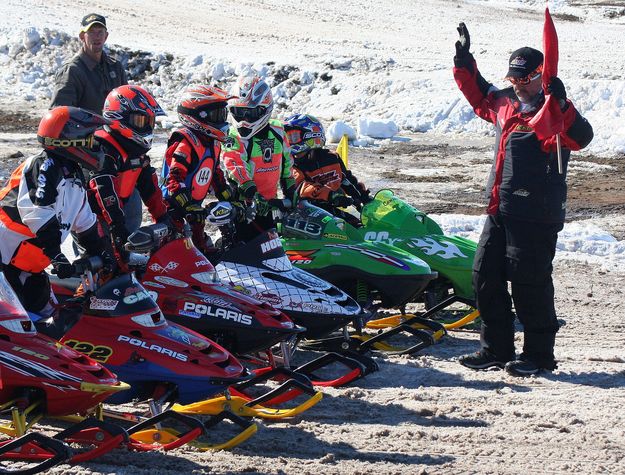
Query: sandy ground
[[426, 413]]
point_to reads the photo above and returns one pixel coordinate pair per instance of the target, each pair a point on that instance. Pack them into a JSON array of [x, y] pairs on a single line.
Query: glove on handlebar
[[62, 267]]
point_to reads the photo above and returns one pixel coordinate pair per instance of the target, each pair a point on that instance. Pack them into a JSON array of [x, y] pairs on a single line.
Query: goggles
[[214, 116], [524, 81], [140, 121], [246, 113], [294, 136]]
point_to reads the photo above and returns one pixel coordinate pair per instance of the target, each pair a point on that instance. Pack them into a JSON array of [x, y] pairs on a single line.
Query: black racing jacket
[[524, 181]]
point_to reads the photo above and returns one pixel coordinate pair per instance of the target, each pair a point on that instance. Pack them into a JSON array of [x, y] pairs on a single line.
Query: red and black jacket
[[524, 181], [121, 174]]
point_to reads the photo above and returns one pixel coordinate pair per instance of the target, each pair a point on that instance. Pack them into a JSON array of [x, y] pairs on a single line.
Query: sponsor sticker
[[170, 281], [102, 304]]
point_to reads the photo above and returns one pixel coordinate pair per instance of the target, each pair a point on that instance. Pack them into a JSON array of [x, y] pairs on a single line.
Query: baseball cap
[[524, 62], [92, 19]]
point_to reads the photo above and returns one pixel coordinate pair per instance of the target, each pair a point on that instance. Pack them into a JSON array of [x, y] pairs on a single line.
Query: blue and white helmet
[[304, 133]]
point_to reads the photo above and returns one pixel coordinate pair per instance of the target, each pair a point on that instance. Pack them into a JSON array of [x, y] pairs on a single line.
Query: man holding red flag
[[526, 209]]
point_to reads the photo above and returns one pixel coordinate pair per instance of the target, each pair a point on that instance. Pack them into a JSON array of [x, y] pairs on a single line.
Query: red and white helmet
[[68, 132], [252, 107], [131, 111], [203, 109]]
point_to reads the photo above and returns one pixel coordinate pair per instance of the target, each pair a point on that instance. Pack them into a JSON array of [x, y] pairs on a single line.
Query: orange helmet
[[203, 109], [131, 111], [68, 132], [252, 107]]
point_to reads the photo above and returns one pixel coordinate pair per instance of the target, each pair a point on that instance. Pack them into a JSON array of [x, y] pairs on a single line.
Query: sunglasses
[[251, 114], [140, 121], [527, 79]]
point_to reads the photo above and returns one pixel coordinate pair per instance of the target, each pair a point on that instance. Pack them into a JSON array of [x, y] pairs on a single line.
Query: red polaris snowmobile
[[41, 377], [184, 283], [120, 324]]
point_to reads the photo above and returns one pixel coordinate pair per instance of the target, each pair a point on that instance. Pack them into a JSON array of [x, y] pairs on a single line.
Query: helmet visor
[[140, 121], [246, 113], [294, 136], [214, 116]]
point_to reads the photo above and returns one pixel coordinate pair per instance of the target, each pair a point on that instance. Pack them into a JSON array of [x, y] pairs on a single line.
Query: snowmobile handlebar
[[91, 264]]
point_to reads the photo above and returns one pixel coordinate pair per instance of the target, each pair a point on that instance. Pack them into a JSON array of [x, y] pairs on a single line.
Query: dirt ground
[[426, 413]]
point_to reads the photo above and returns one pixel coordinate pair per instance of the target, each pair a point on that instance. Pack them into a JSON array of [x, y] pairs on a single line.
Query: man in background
[[85, 80]]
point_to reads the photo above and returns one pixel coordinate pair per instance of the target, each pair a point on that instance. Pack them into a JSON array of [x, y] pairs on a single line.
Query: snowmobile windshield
[[310, 221], [13, 317]]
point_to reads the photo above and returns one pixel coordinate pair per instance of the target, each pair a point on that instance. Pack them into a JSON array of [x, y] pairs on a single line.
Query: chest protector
[[203, 161], [266, 156]]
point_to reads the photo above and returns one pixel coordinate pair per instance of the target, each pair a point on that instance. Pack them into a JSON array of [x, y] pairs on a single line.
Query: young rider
[[191, 166], [126, 139], [45, 200], [257, 154], [320, 174]]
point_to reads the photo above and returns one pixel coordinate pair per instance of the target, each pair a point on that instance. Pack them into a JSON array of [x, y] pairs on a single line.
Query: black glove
[[249, 190], [109, 264], [249, 212], [464, 43], [119, 235], [556, 89], [263, 208], [281, 204], [167, 221], [62, 267], [180, 199], [195, 213], [340, 200]]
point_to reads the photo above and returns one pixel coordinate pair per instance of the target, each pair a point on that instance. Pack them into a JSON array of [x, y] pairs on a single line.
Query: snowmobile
[[34, 447], [185, 285], [389, 219], [167, 363], [42, 378], [261, 268], [332, 249]]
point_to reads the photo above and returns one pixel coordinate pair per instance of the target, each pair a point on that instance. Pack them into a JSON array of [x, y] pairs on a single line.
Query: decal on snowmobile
[[342, 237], [157, 348], [373, 254], [170, 281], [429, 246], [153, 284], [32, 368], [102, 304], [211, 311], [100, 353], [136, 297], [310, 279], [30, 352], [272, 298], [267, 246], [302, 226], [156, 267], [301, 257]]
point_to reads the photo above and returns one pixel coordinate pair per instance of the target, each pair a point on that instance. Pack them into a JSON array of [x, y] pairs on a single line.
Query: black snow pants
[[519, 252]]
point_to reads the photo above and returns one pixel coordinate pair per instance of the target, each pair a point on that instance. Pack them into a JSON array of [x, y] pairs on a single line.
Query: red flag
[[549, 121]]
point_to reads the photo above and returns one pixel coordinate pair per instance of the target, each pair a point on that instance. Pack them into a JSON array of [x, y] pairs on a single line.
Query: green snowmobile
[[374, 273]]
